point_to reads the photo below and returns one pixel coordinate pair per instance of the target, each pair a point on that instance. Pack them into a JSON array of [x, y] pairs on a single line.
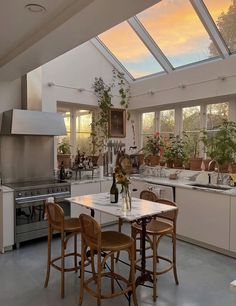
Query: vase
[[126, 199]]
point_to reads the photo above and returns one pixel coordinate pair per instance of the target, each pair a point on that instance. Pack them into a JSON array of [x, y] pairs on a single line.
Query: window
[[216, 113], [223, 13], [148, 126], [167, 122], [126, 46], [66, 138], [83, 130], [177, 30]]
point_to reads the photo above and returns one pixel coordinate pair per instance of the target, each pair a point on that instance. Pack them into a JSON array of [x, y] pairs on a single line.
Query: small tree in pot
[[221, 144]]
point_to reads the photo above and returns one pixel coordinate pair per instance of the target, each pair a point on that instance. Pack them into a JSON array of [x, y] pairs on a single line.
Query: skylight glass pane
[[177, 30], [126, 46], [223, 13]]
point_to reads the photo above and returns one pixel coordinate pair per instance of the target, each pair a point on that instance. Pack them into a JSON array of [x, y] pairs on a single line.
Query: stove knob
[[19, 194]]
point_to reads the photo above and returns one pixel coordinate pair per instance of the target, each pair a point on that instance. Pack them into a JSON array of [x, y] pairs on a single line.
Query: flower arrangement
[[122, 179], [154, 145]]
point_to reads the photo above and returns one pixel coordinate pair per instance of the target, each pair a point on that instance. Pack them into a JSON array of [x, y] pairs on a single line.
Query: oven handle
[[58, 195]]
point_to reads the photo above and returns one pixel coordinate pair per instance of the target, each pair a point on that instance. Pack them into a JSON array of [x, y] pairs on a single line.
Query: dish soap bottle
[[114, 191]]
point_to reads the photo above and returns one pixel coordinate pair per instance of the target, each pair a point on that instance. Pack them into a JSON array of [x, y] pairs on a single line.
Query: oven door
[[30, 219]]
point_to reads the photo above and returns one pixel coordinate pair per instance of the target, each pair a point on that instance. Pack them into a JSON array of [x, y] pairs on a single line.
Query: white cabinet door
[[107, 218], [83, 189], [136, 187], [232, 245], [7, 214], [204, 216]]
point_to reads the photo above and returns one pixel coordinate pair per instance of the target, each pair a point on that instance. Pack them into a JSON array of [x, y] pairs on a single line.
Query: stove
[[39, 190], [30, 198]]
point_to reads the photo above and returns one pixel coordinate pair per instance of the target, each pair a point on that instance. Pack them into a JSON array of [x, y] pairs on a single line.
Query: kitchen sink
[[211, 186]]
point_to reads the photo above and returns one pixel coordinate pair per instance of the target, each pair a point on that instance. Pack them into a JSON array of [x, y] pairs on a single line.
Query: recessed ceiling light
[[35, 8]]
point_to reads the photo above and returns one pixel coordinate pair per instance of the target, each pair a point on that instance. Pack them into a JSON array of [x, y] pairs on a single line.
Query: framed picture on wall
[[117, 120]]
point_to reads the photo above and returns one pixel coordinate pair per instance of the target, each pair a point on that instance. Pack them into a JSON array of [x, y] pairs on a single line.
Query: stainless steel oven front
[[30, 217]]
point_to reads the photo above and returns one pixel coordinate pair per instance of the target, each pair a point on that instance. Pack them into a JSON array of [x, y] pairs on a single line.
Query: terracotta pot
[[206, 163], [195, 163], [153, 160], [178, 163], [232, 168], [224, 168], [169, 163]]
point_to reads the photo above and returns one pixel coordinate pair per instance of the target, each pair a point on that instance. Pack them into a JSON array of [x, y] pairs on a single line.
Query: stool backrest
[[169, 215], [90, 231], [55, 215], [151, 196], [148, 195]]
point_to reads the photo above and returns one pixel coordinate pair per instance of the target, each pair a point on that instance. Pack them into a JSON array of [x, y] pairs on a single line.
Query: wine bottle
[[62, 174], [114, 191]]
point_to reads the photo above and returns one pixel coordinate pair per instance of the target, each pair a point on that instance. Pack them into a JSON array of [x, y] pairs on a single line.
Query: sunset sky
[[174, 26]]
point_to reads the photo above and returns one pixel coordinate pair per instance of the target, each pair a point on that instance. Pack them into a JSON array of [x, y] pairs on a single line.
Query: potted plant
[[192, 150], [174, 151], [64, 154], [153, 149], [220, 145]]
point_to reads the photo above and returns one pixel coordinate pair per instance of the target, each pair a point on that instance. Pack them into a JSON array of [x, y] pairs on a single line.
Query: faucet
[[219, 179]]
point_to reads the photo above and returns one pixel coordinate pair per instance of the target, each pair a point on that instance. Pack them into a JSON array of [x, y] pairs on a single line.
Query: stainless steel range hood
[[30, 120], [26, 122]]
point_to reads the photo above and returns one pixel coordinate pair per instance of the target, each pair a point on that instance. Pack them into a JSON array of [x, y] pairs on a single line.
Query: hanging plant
[[124, 89], [99, 128]]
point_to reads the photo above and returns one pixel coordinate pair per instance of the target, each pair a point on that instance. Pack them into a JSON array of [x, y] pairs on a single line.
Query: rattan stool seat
[[68, 228], [115, 241], [103, 246]]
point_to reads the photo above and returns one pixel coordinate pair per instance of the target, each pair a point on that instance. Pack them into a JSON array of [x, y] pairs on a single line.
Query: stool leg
[[132, 273], [83, 255], [75, 253], [62, 265], [174, 258], [154, 268], [99, 271], [120, 222], [112, 274], [49, 256]]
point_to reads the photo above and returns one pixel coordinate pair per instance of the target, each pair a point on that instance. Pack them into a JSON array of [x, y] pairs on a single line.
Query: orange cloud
[[174, 25]]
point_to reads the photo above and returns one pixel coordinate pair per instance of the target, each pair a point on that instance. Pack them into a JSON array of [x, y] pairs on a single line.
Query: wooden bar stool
[[67, 228], [164, 225], [103, 246]]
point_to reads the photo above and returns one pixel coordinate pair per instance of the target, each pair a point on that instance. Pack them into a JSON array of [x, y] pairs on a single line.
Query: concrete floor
[[204, 278]]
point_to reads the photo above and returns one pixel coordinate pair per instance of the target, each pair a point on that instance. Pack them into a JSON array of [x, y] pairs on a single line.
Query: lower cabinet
[[232, 243], [204, 216], [7, 220], [136, 187], [83, 189]]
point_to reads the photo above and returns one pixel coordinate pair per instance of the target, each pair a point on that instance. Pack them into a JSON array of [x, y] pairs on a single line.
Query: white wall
[[77, 69], [202, 83], [10, 96]]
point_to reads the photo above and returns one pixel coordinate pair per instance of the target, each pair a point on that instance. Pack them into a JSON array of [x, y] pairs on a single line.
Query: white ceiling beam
[[210, 27], [150, 43], [111, 58]]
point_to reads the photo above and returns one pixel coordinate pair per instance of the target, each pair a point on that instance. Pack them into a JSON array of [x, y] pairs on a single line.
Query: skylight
[[178, 31], [172, 34], [125, 45], [223, 13]]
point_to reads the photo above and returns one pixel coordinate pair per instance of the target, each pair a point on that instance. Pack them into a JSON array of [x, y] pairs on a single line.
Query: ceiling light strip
[[150, 44], [210, 27]]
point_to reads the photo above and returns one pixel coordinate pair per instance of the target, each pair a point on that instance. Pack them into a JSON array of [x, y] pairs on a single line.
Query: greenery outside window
[[148, 126], [83, 130], [167, 122], [216, 114]]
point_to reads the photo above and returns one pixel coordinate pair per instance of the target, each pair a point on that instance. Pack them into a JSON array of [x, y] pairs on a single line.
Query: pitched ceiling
[[29, 40]]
